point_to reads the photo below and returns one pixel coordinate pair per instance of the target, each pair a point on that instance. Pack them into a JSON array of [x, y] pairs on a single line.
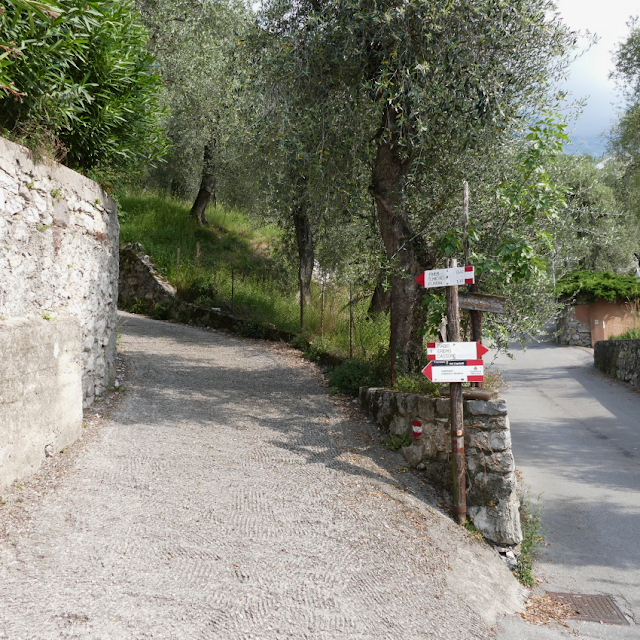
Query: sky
[[589, 74]]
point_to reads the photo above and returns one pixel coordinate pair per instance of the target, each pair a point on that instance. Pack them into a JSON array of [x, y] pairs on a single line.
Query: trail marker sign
[[446, 277], [455, 371], [455, 350], [481, 302]]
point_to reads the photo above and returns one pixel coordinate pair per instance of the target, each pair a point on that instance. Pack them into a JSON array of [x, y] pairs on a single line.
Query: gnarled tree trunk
[[402, 248], [207, 191], [304, 240], [380, 301]]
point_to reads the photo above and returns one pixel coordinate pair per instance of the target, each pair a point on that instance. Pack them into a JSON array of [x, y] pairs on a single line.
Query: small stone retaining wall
[[620, 359], [492, 501]]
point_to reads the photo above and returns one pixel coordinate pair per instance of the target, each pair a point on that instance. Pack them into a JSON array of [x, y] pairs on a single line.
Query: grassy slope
[[263, 291]]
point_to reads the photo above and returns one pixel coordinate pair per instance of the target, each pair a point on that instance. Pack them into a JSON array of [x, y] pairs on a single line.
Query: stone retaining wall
[[620, 359], [140, 280], [575, 326], [59, 239], [492, 501]]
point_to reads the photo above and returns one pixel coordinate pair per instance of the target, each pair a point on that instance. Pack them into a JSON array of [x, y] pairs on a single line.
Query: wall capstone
[[492, 500]]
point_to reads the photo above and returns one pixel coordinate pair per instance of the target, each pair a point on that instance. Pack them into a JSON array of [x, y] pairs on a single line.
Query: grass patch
[[393, 443], [235, 253], [532, 538]]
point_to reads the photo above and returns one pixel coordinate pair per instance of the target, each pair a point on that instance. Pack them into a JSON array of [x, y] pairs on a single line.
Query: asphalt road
[[576, 440]]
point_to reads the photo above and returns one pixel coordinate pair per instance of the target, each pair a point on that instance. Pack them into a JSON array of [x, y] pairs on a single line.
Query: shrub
[[76, 78], [351, 375], [632, 334], [588, 286], [417, 383]]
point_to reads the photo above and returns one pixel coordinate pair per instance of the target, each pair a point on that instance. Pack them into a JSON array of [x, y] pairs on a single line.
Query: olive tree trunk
[[207, 191], [401, 247], [304, 240]]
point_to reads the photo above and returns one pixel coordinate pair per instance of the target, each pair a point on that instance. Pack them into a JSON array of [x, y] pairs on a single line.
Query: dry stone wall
[[143, 290], [492, 500], [140, 280], [573, 330], [620, 359], [59, 239]]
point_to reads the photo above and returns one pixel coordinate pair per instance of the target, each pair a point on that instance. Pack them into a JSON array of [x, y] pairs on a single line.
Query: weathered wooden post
[[178, 272], [233, 283], [458, 466], [454, 362], [350, 320], [392, 339], [324, 284]]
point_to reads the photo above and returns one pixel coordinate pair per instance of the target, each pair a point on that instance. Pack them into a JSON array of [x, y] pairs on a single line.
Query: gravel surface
[[223, 495]]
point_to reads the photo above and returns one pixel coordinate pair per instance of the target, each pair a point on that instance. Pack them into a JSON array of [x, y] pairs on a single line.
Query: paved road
[[576, 439], [229, 497]]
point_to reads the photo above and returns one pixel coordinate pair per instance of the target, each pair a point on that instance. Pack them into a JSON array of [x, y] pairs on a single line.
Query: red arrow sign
[[455, 350], [455, 371], [446, 277]]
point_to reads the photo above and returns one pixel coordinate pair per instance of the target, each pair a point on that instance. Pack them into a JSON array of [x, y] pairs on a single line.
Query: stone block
[[40, 392], [499, 522], [489, 440], [443, 406], [489, 462], [497, 407]]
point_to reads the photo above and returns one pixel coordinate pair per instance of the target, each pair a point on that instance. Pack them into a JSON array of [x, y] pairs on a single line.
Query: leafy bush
[[161, 311], [351, 375], [588, 286], [76, 78], [417, 383]]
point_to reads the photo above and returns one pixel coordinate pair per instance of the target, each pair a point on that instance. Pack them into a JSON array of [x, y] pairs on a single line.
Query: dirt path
[[227, 496]]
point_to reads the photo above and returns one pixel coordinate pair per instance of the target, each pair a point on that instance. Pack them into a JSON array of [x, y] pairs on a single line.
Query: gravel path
[[228, 496]]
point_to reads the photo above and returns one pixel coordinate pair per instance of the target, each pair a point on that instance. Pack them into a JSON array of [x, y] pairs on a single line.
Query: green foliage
[[394, 443], [198, 48], [416, 383], [587, 286], [352, 374], [471, 528], [78, 82], [532, 539], [632, 334]]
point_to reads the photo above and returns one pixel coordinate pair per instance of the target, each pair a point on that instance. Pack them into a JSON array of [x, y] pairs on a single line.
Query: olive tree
[[433, 80]]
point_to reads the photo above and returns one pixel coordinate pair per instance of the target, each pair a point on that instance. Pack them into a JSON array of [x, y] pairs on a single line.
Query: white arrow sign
[[455, 371], [455, 350], [446, 277]]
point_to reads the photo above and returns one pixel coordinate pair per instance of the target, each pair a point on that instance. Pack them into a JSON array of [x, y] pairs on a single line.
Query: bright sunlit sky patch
[[589, 74]]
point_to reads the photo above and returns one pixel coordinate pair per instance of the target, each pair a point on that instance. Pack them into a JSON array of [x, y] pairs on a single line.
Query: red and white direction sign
[[446, 277], [455, 371], [455, 350]]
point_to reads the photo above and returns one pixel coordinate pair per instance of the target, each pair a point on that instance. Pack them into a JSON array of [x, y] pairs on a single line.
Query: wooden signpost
[[481, 302], [455, 372]]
